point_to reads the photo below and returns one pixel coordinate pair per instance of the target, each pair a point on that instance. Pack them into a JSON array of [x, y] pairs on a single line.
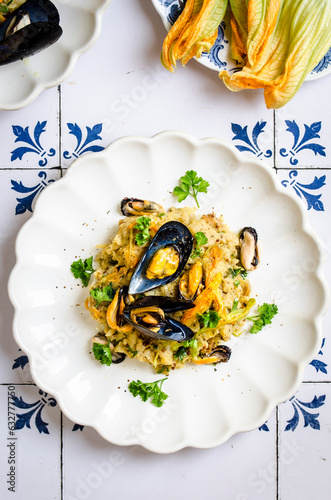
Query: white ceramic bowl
[[205, 405], [21, 82]]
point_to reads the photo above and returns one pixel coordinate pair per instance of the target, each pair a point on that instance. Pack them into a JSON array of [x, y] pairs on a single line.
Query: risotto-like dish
[[176, 294]]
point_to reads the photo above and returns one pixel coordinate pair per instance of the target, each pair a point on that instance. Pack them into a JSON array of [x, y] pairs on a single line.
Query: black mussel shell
[[134, 206], [43, 31], [170, 329], [172, 233], [250, 230], [167, 304], [117, 357], [223, 352]]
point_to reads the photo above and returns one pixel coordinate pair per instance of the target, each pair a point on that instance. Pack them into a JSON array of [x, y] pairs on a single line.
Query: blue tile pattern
[[250, 144], [302, 140], [33, 410], [86, 146], [24, 203], [307, 191], [31, 144]]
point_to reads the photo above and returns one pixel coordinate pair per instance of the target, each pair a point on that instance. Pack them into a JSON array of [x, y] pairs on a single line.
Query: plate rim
[[278, 187], [75, 55]]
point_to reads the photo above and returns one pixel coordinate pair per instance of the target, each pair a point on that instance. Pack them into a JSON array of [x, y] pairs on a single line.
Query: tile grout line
[[61, 454], [277, 453], [60, 128]]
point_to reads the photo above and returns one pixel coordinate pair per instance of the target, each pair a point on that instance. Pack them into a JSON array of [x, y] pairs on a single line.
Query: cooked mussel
[[167, 304], [134, 206], [117, 357], [114, 315], [154, 323], [176, 237], [249, 248], [221, 354], [190, 284], [147, 315], [30, 28]]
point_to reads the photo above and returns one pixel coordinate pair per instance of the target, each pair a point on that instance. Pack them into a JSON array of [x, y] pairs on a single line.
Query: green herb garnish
[[131, 351], [83, 270], [235, 304], [181, 353], [193, 345], [201, 239], [148, 390], [239, 270], [265, 314], [209, 319], [105, 294], [4, 7], [190, 184], [161, 215], [142, 225], [102, 353]]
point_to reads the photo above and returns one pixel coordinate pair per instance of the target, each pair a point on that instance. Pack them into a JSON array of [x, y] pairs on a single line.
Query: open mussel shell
[[166, 328], [32, 27], [167, 304], [172, 234]]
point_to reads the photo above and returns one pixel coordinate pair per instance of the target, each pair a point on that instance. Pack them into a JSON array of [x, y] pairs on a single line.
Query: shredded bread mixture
[[224, 289]]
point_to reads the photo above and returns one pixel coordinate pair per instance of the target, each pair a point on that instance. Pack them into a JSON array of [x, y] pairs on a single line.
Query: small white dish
[[219, 58], [206, 404], [22, 81]]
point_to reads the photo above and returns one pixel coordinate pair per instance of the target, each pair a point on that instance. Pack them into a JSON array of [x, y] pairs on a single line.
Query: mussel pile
[[29, 29]]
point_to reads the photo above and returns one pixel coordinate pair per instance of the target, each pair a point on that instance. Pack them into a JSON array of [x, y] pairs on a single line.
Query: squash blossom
[[279, 42], [195, 31]]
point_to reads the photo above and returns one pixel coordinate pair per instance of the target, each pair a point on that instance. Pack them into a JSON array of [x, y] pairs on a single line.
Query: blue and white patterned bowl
[[219, 57]]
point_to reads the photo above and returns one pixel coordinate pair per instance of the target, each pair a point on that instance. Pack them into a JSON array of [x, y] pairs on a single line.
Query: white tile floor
[[119, 88]]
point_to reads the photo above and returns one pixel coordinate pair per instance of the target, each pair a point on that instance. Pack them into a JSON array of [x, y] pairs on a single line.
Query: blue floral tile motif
[[264, 427], [324, 63], [319, 365], [310, 419], [250, 145], [32, 144], [92, 135], [304, 143], [306, 190], [33, 409], [77, 427], [20, 362], [25, 202]]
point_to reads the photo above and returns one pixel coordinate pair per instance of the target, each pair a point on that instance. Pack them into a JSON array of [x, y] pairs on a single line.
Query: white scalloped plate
[[21, 82], [219, 57], [206, 405]]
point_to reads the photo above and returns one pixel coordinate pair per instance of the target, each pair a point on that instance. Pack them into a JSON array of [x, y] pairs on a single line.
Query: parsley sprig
[[265, 314], [182, 353], [142, 225], [102, 353], [83, 270], [105, 294], [190, 184], [148, 390], [201, 239], [209, 319], [4, 7]]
